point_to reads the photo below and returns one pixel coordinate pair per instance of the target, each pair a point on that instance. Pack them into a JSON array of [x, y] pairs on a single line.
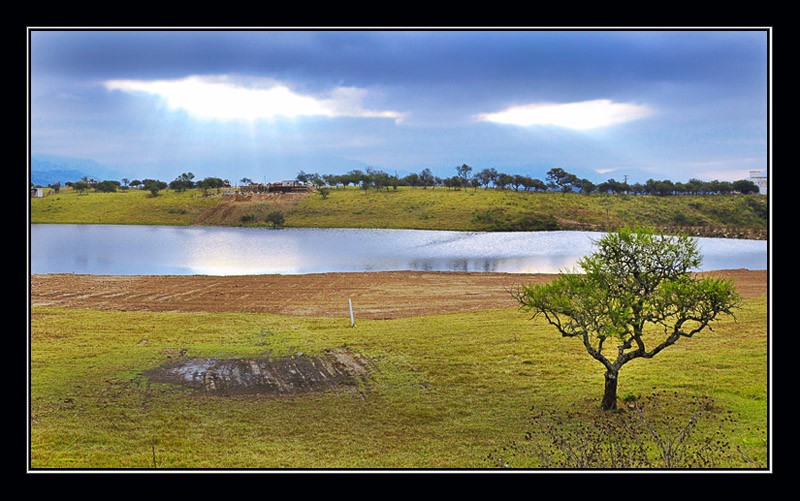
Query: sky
[[265, 104]]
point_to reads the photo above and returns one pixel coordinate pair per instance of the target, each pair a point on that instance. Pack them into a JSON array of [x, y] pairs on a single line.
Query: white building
[[759, 180]]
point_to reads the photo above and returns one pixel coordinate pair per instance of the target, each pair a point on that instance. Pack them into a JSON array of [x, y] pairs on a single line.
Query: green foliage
[[183, 182], [210, 183], [247, 218], [637, 279], [106, 186], [745, 186], [276, 218], [153, 186]]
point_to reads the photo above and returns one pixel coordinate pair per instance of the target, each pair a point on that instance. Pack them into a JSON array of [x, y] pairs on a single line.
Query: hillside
[[736, 216]]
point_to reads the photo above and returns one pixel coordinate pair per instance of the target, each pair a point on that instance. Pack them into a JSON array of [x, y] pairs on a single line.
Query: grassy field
[[417, 208], [448, 390]]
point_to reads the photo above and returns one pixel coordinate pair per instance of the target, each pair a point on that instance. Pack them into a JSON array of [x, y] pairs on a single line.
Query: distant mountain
[[49, 169], [46, 178]]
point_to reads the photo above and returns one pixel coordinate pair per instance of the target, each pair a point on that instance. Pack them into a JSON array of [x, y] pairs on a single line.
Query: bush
[[276, 218], [247, 218], [658, 431]]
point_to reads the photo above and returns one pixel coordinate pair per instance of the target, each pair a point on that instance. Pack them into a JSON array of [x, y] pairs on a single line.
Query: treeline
[[182, 183], [557, 180]]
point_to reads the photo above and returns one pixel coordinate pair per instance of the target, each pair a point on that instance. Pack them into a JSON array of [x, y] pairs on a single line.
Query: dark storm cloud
[[699, 84]]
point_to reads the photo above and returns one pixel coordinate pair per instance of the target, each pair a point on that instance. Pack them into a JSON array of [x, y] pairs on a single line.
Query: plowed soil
[[375, 295]]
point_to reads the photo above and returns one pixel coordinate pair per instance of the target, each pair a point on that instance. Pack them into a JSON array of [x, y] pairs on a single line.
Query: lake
[[182, 250]]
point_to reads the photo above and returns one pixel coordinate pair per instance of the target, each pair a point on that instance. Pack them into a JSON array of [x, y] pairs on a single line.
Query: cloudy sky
[[264, 104]]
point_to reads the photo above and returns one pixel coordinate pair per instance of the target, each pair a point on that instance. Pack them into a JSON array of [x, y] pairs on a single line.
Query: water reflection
[[160, 250]]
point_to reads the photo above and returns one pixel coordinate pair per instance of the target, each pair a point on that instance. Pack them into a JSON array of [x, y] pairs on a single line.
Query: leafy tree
[[537, 185], [55, 186], [636, 298], [454, 182], [585, 186], [487, 177], [412, 180], [720, 187], [331, 179], [694, 186], [135, 183], [183, 182], [379, 179], [427, 178], [395, 181], [276, 218], [80, 186], [504, 180], [654, 187], [561, 180], [324, 191], [154, 186], [464, 172], [106, 186], [611, 186], [211, 183], [316, 180], [354, 177], [745, 186], [245, 181]]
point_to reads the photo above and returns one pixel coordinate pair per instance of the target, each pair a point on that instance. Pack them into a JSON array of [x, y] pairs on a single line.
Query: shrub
[[658, 431], [276, 218]]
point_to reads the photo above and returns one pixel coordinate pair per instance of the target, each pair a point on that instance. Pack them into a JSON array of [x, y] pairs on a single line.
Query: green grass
[[123, 207], [417, 208], [448, 390]]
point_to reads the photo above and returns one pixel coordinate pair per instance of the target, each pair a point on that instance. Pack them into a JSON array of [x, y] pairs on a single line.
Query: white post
[[352, 318]]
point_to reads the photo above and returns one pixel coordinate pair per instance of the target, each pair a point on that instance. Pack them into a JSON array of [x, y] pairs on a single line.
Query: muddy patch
[[297, 374]]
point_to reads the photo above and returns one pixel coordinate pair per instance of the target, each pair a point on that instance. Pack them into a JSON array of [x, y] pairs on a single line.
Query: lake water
[[171, 250]]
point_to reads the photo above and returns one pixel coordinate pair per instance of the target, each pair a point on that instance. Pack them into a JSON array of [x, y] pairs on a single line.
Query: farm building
[[37, 192], [759, 180]]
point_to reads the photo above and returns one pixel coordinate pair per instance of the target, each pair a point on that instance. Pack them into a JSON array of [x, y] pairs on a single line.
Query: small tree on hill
[[745, 186], [81, 186], [106, 186], [561, 180], [154, 186], [183, 182], [636, 298], [464, 173]]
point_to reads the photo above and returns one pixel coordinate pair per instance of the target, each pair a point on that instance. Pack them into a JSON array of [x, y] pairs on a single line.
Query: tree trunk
[[610, 392]]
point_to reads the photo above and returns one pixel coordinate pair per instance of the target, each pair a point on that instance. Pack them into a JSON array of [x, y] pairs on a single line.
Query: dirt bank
[[293, 375], [378, 295]]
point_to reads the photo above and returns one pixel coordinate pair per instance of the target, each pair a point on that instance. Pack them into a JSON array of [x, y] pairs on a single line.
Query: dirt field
[[380, 295]]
